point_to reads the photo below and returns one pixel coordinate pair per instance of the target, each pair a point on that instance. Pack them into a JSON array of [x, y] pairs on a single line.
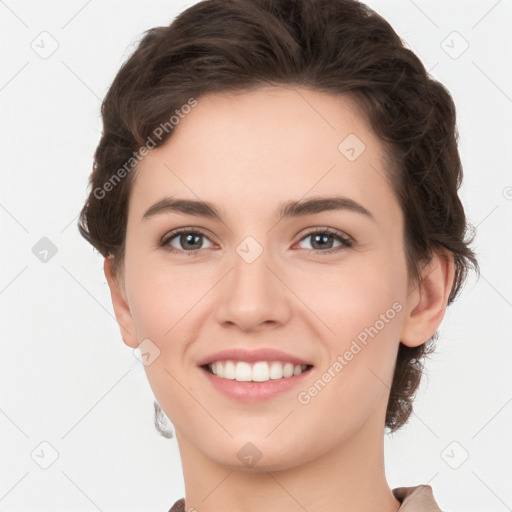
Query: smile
[[253, 375], [259, 371]]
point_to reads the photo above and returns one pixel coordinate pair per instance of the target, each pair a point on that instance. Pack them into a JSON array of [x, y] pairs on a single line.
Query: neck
[[350, 478]]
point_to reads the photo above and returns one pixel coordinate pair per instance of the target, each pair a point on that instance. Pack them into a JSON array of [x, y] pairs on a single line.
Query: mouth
[[257, 371], [253, 375]]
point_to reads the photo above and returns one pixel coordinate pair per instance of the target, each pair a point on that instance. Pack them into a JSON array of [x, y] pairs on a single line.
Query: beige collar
[[413, 499], [416, 499]]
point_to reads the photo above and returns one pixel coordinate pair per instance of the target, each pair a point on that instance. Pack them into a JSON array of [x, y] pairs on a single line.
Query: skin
[[248, 153]]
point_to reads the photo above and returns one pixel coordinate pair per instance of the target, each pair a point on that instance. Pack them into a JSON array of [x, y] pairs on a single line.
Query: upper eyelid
[[331, 231], [178, 231]]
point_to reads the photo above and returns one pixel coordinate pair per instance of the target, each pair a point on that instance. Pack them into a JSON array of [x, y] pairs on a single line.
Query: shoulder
[[416, 499], [413, 499]]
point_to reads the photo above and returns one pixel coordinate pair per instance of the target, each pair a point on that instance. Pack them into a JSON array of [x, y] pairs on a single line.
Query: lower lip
[[253, 391]]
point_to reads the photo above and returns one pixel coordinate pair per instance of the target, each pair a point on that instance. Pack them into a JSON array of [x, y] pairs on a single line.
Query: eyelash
[[346, 241]]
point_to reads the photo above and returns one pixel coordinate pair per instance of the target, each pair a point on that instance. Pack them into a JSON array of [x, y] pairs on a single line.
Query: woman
[[275, 195]]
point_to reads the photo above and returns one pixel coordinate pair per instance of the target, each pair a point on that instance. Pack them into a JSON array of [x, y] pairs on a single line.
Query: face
[[302, 300]]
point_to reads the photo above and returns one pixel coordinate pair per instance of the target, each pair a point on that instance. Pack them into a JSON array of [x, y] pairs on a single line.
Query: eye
[[322, 240], [190, 241], [184, 241]]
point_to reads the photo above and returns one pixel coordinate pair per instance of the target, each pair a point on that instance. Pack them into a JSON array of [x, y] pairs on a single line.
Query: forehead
[[256, 147]]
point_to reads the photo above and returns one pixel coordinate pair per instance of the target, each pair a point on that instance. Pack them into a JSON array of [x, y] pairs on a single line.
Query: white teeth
[[276, 370], [243, 372], [288, 370], [229, 370], [260, 371]]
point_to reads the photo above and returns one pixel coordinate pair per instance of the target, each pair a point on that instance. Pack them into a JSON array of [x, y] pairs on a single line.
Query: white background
[[67, 379]]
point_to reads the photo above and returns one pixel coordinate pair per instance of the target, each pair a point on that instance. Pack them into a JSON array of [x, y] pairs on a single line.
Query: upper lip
[[261, 354]]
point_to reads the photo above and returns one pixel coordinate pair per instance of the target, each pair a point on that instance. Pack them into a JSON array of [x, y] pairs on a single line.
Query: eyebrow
[[288, 209]]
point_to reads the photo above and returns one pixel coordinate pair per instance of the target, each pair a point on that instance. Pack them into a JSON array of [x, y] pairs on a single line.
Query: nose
[[253, 295]]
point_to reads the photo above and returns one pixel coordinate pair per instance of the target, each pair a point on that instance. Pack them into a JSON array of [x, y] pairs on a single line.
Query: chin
[[258, 454]]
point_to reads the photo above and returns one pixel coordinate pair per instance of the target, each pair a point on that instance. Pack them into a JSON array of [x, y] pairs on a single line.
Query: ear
[[120, 304], [427, 302]]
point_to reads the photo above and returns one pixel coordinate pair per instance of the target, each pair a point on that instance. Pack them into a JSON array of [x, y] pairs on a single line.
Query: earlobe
[[428, 301], [120, 305]]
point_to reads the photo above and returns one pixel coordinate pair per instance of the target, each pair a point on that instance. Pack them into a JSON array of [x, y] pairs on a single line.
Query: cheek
[[163, 299], [162, 303], [363, 306], [349, 299], [353, 383]]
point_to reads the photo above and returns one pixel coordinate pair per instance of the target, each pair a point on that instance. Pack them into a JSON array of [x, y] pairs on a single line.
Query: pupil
[[190, 238], [318, 237]]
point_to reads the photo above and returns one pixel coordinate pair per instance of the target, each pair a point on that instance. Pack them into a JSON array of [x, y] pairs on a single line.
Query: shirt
[[412, 499]]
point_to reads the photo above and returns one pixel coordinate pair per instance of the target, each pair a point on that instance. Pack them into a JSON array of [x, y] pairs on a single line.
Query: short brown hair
[[339, 47]]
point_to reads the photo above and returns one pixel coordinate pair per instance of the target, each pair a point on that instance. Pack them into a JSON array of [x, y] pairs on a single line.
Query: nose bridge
[[252, 295]]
